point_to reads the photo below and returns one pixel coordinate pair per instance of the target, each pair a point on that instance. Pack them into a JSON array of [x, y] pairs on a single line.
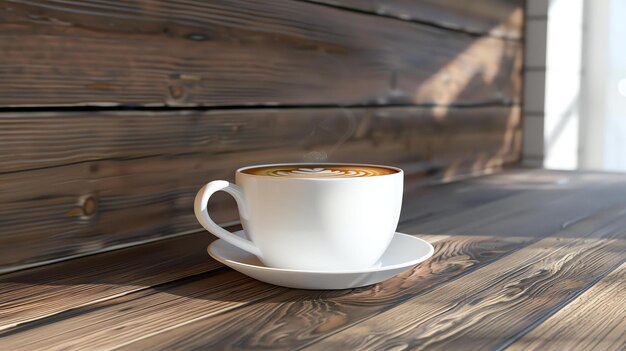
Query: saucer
[[404, 252]]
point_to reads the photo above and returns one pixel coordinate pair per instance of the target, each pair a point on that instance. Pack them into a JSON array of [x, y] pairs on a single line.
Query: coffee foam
[[320, 171]]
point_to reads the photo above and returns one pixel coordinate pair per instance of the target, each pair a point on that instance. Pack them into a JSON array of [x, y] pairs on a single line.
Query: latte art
[[320, 171]]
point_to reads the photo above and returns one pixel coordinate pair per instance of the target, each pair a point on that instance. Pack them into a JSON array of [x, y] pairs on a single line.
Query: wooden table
[[527, 259]]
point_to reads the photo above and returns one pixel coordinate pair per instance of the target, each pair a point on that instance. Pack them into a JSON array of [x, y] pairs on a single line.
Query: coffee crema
[[320, 171]]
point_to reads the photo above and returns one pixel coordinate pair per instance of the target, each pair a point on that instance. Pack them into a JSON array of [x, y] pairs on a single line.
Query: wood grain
[[294, 320], [48, 139], [487, 308], [576, 200], [284, 52], [40, 292], [502, 18], [52, 289], [134, 176], [118, 322], [108, 324], [596, 320]]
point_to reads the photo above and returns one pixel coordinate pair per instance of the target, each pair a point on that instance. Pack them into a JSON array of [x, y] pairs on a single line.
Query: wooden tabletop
[[527, 259]]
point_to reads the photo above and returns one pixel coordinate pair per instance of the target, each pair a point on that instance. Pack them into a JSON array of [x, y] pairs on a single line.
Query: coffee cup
[[322, 217]]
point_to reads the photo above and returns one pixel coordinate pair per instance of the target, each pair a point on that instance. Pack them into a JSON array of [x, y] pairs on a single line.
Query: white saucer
[[404, 252]]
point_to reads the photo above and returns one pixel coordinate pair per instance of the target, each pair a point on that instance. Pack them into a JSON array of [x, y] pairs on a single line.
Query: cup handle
[[200, 209]]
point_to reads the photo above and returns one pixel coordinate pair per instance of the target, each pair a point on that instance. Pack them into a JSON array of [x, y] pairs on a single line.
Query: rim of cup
[[398, 171]]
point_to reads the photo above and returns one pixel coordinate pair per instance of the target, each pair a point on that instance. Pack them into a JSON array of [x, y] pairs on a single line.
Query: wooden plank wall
[[112, 114]]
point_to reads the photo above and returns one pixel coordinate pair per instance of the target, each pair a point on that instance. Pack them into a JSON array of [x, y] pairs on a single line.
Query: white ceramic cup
[[322, 224]]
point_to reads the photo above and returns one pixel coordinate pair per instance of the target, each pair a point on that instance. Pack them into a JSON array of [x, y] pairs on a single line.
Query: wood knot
[[93, 168], [88, 205], [176, 91]]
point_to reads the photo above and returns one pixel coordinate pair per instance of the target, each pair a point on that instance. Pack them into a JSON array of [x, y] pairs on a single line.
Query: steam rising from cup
[[329, 125]]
